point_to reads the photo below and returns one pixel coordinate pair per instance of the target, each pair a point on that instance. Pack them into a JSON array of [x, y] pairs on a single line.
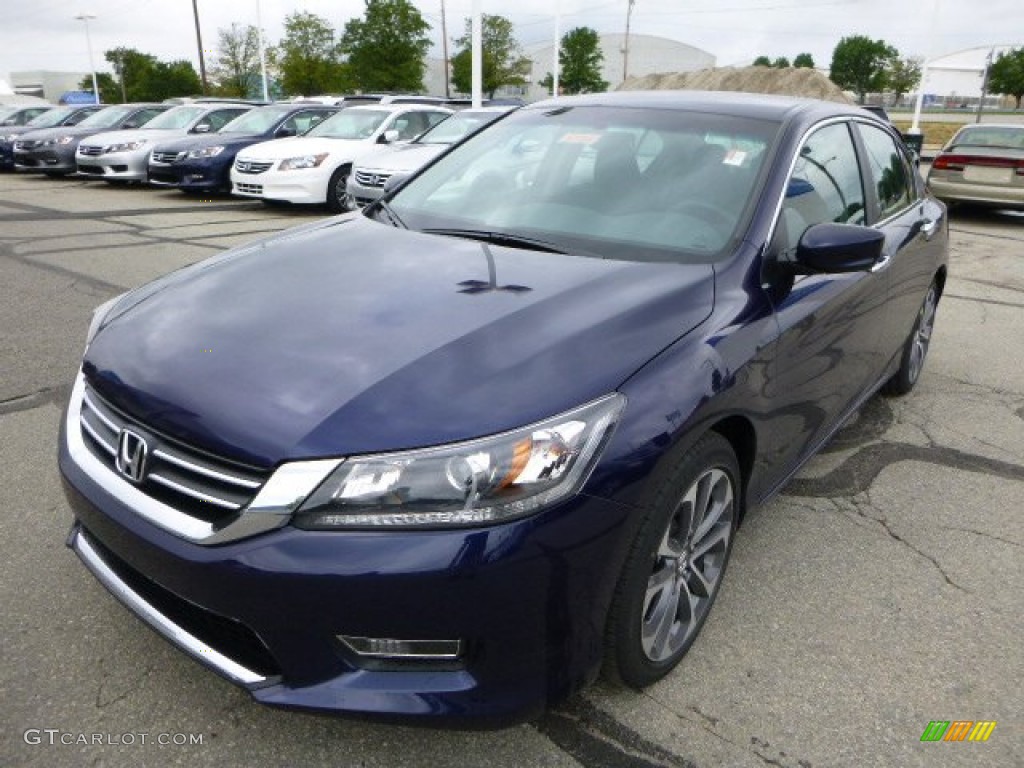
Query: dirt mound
[[791, 81]]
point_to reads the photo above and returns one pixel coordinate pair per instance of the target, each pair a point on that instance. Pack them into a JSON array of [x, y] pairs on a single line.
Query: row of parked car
[[302, 152]]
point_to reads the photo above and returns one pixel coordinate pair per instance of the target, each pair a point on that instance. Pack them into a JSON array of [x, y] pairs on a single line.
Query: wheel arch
[[739, 432]]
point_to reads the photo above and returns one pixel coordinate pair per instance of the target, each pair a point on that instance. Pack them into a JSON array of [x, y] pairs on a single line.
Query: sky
[[44, 34]]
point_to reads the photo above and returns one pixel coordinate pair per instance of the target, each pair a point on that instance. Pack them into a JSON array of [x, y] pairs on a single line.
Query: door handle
[[929, 227]]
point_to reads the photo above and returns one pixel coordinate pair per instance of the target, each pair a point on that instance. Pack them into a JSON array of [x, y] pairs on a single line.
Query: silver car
[[981, 165], [366, 183], [124, 155]]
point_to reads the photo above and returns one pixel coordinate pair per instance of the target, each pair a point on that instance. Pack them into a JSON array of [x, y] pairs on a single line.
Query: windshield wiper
[[396, 221], [500, 238]]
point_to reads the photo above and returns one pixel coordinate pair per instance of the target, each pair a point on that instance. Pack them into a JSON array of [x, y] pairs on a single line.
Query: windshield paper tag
[[734, 157]]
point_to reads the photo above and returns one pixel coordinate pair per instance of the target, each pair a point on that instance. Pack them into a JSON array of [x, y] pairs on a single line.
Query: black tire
[[675, 566], [915, 349], [338, 200]]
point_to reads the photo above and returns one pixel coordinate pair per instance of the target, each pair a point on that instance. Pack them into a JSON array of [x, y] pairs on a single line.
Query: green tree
[[110, 91], [386, 48], [903, 75], [503, 62], [1006, 75], [237, 66], [174, 78], [860, 64], [803, 61], [580, 59], [762, 61], [308, 57], [137, 70], [781, 63]]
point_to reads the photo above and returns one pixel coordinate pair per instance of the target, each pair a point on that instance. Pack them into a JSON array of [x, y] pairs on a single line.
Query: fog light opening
[[399, 650]]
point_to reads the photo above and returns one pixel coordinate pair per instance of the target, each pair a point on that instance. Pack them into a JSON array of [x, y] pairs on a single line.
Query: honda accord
[[449, 457]]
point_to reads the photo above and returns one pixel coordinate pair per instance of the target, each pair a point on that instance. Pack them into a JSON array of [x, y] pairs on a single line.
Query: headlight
[[128, 146], [298, 163], [10, 136], [65, 140], [98, 316], [490, 480], [206, 151]]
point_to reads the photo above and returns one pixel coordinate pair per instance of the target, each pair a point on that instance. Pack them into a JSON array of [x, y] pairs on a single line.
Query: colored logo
[[958, 730]]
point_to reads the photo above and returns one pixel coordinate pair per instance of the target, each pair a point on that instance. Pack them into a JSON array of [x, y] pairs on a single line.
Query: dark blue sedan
[[447, 458], [203, 164]]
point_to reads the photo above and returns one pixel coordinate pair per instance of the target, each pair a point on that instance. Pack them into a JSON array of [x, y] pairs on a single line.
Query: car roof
[[739, 104], [397, 107]]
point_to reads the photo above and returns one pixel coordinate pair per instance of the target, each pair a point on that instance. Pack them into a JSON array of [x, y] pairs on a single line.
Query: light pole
[[199, 45], [88, 42], [625, 46], [263, 54]]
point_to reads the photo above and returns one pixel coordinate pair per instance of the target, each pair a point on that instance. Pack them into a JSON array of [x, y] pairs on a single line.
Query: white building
[[956, 78], [648, 54]]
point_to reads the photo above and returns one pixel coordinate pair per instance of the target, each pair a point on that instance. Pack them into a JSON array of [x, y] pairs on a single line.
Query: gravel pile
[[791, 81]]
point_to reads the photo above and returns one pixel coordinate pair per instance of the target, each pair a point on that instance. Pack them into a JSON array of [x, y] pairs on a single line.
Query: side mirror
[[129, 125], [284, 132], [832, 248], [202, 128], [388, 137], [395, 181]]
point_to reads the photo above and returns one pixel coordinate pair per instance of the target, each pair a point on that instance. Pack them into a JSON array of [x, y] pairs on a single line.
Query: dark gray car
[[51, 118], [52, 150]]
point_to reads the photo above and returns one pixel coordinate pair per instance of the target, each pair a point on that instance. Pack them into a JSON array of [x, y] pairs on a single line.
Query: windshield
[[106, 118], [257, 121], [55, 116], [645, 184], [1004, 137], [351, 124], [177, 117], [457, 127]]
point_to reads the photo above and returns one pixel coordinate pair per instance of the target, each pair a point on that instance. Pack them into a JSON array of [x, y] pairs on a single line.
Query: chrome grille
[[252, 166], [89, 150], [166, 157], [252, 189], [29, 144], [191, 481], [372, 179]]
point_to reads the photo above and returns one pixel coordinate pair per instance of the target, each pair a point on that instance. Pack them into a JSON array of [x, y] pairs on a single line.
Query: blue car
[[203, 164], [450, 457]]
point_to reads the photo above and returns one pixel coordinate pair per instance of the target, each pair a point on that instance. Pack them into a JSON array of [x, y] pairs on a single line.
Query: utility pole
[[263, 54], [625, 47], [199, 45], [88, 42], [984, 85], [556, 63], [477, 50], [444, 52]]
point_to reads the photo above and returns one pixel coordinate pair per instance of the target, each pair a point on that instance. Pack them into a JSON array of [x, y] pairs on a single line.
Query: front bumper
[[361, 194], [6, 155], [52, 159], [189, 175], [527, 600], [122, 166], [301, 187]]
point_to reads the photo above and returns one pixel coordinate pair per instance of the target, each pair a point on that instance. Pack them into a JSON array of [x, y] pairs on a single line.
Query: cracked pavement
[[883, 589]]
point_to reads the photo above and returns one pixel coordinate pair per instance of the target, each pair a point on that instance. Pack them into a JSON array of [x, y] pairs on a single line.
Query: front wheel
[[915, 350], [675, 567], [338, 200]]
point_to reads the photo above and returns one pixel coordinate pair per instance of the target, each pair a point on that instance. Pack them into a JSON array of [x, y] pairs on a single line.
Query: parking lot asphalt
[[882, 590]]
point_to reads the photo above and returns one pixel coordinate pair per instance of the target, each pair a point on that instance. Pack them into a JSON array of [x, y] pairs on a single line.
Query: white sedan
[[314, 168]]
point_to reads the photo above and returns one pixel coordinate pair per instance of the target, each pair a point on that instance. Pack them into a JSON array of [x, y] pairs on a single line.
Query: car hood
[[295, 146], [359, 338], [234, 140], [42, 134], [151, 136], [408, 157]]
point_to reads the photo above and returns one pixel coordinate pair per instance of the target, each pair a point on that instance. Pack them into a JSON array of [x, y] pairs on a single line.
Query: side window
[[303, 121], [410, 125], [433, 118], [887, 169], [78, 117], [825, 185], [218, 120]]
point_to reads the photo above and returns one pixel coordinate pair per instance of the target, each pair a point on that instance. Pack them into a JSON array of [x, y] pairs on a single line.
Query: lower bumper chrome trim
[[186, 641]]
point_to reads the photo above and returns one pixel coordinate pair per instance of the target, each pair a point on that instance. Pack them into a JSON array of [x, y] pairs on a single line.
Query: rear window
[[1006, 137]]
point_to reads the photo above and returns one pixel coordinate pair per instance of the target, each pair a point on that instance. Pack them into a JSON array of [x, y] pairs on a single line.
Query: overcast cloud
[[43, 34]]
